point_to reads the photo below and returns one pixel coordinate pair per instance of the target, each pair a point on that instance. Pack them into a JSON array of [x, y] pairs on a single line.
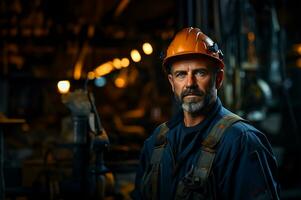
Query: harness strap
[[203, 167], [209, 145], [218, 129], [200, 173], [156, 158]]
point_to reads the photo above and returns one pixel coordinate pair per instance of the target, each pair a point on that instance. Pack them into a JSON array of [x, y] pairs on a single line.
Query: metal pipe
[[81, 152]]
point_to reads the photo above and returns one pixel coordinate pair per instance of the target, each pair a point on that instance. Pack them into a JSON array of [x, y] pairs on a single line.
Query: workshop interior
[[82, 87]]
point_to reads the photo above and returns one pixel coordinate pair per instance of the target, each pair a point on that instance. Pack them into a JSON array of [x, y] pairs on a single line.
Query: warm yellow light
[[117, 63], [63, 86], [91, 75], [125, 62], [104, 69], [147, 48], [135, 55], [251, 36], [120, 82], [299, 49], [77, 70]]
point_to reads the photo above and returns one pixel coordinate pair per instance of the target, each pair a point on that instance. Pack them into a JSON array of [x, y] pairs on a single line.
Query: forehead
[[192, 63]]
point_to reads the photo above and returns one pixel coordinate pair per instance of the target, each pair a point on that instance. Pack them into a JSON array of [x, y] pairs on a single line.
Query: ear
[[170, 79], [219, 78]]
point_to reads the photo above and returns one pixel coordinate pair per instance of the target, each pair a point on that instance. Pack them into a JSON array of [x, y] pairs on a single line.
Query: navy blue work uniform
[[244, 166]]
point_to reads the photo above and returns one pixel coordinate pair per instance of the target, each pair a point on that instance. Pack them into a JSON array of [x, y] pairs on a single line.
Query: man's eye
[[200, 73], [180, 75]]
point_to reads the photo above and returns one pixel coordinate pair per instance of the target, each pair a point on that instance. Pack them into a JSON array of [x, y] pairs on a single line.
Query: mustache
[[192, 91]]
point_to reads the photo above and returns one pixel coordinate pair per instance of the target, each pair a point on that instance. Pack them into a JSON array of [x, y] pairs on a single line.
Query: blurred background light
[[120, 82], [147, 48], [117, 63], [77, 70], [297, 48], [100, 82], [135, 55], [63, 86], [125, 62], [91, 75], [104, 69]]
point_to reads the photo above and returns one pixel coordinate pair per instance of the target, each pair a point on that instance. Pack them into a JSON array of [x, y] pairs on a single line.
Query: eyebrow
[[183, 70]]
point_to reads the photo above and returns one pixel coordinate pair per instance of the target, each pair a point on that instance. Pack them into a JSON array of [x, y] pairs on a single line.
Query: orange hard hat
[[193, 42]]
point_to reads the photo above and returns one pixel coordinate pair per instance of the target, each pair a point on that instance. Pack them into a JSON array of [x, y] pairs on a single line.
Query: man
[[204, 151]]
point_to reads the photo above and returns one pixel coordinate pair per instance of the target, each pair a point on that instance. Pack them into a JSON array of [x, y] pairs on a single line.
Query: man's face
[[194, 83]]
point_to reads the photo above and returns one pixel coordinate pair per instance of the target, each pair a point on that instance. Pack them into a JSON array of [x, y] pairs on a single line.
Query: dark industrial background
[[47, 41]]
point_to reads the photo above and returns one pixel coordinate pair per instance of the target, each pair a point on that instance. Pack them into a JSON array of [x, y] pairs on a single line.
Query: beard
[[196, 104]]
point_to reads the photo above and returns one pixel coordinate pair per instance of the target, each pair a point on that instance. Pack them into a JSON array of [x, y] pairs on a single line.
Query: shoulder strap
[[156, 158], [218, 129], [209, 144], [203, 167]]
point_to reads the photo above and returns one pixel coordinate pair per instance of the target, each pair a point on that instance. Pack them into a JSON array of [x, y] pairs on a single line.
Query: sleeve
[[251, 171]]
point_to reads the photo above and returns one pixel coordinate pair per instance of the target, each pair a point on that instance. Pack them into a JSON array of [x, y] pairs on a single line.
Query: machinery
[[90, 138]]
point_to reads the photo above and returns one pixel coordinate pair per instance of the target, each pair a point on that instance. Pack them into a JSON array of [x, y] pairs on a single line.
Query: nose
[[190, 81]]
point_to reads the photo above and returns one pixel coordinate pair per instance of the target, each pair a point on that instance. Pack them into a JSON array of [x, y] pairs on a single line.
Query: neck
[[192, 120]]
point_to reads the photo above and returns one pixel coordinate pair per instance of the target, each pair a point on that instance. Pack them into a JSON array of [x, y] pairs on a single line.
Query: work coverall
[[244, 166]]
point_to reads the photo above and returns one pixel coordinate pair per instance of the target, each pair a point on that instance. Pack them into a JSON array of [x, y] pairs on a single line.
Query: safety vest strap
[[200, 173], [208, 148], [156, 158], [203, 167], [217, 131]]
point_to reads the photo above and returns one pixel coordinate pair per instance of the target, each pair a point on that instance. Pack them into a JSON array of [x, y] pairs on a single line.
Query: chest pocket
[[195, 185]]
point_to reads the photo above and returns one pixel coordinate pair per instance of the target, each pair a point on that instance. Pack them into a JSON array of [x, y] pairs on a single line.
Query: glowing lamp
[[117, 63], [125, 62], [135, 55], [120, 82], [147, 48], [63, 86]]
